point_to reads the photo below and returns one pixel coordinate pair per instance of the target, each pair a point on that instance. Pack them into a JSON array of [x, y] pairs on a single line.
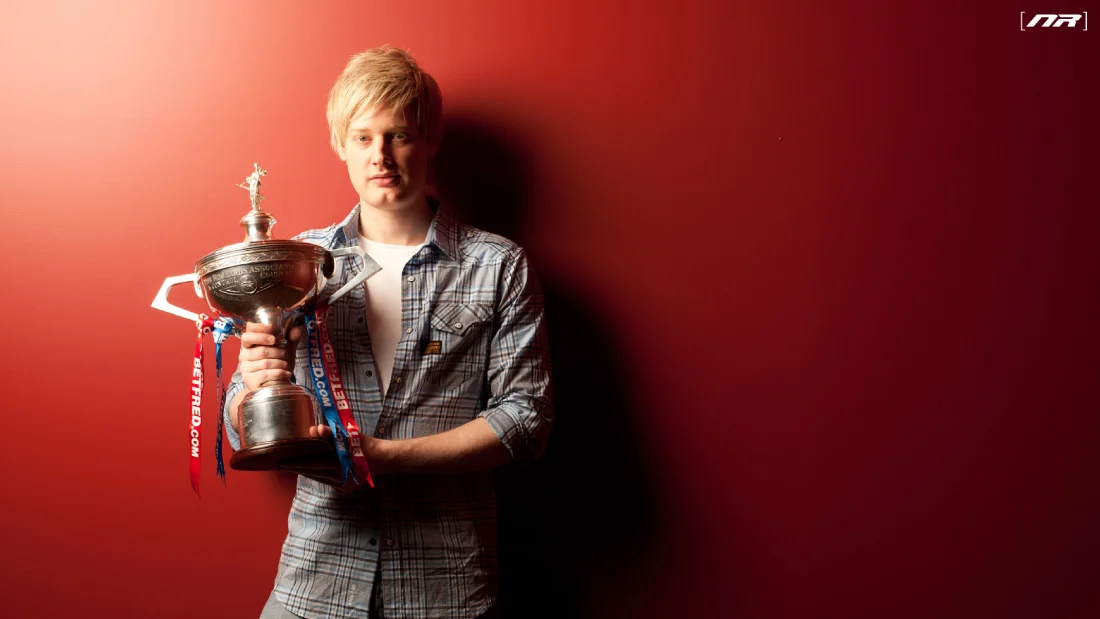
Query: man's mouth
[[385, 179]]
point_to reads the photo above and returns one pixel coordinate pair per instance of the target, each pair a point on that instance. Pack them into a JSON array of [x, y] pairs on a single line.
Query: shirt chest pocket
[[456, 350]]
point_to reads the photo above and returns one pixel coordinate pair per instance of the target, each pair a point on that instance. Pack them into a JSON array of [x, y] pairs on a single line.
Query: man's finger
[[250, 339], [276, 376], [256, 380], [265, 351], [262, 364]]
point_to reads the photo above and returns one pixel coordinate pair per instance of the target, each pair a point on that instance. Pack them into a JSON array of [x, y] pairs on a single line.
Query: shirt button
[[411, 279], [360, 320], [458, 325], [409, 330], [373, 542], [389, 541], [397, 379], [369, 373], [381, 430], [470, 234]]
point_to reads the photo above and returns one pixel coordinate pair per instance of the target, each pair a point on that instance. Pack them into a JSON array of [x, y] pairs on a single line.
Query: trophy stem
[[278, 320]]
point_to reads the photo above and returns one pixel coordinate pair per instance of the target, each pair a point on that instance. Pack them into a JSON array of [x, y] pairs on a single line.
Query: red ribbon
[[340, 398], [204, 324]]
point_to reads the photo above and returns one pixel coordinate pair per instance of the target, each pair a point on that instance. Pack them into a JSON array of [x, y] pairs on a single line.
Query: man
[[443, 353]]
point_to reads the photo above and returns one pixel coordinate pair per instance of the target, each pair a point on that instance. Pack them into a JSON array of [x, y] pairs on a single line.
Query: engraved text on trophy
[[242, 288]]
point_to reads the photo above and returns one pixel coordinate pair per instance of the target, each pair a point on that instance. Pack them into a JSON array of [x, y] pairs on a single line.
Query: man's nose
[[380, 153]]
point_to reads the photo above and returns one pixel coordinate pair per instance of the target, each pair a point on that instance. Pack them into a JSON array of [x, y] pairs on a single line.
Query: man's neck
[[406, 226]]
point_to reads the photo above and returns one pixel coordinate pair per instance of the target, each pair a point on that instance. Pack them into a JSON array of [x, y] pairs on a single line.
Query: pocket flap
[[458, 317]]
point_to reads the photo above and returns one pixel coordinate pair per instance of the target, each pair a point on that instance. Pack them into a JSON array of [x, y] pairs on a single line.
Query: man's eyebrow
[[391, 129]]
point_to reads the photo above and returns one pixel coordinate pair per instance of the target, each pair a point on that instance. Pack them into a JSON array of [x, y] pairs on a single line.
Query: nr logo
[[1054, 20]]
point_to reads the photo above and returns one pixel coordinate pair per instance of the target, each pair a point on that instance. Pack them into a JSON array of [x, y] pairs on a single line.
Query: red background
[[819, 280]]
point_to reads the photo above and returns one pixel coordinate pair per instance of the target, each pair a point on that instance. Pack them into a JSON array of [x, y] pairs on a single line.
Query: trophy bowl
[[269, 282]]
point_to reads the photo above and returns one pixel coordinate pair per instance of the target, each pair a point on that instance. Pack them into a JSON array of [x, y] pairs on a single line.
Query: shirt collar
[[442, 233]]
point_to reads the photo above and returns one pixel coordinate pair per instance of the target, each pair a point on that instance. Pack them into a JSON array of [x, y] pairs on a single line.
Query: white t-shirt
[[383, 295]]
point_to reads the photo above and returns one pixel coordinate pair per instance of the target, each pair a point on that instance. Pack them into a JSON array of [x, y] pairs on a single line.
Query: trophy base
[[275, 424], [267, 456]]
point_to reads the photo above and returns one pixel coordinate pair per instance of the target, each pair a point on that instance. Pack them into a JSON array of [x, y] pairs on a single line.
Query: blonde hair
[[383, 77]]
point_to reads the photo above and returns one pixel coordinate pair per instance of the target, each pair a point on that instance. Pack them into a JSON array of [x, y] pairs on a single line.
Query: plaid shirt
[[477, 349]]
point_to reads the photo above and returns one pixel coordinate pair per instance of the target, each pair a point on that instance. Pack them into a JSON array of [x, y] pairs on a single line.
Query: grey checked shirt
[[477, 348]]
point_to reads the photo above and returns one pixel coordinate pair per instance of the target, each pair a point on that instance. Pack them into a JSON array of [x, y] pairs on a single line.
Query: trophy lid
[[258, 245]]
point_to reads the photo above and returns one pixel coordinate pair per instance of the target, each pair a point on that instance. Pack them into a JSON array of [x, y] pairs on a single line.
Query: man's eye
[[399, 136], [362, 139]]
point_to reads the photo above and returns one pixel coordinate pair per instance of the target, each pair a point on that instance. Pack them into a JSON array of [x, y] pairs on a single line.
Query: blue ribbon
[[323, 391], [223, 328]]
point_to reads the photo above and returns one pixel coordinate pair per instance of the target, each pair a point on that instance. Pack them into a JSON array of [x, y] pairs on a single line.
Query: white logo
[[1054, 20]]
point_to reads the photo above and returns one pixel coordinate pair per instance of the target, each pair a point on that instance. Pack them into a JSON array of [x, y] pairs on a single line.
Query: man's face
[[387, 158]]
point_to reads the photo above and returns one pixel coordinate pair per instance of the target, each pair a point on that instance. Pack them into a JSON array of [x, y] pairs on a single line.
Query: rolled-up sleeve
[[521, 410], [235, 387]]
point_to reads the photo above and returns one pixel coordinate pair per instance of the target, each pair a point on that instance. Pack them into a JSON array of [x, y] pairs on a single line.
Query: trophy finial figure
[[257, 224], [252, 184]]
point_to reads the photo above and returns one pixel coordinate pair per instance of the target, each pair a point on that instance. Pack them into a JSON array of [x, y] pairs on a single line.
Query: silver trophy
[[271, 282]]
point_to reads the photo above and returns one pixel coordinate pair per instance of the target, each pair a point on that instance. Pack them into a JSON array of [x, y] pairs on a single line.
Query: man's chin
[[388, 201]]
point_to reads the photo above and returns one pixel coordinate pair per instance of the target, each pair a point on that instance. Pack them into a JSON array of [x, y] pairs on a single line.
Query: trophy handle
[[161, 300], [355, 281]]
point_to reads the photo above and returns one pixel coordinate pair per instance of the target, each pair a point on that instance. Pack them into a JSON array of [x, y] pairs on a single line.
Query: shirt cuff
[[521, 429], [231, 434]]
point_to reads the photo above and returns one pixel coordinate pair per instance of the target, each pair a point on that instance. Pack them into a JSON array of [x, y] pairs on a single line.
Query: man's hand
[[377, 451], [327, 469], [262, 361]]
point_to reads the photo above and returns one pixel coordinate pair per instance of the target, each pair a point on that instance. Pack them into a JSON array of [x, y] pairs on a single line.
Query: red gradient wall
[[831, 264]]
